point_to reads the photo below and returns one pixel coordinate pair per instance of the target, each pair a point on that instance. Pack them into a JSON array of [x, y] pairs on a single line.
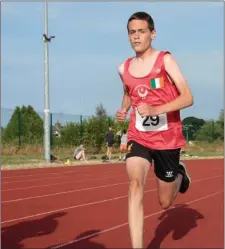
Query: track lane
[[101, 217]]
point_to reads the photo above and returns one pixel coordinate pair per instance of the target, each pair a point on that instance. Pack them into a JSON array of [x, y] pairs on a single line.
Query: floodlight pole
[[46, 87]]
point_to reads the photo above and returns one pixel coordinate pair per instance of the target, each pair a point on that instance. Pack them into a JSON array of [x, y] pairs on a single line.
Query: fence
[[19, 126], [58, 121]]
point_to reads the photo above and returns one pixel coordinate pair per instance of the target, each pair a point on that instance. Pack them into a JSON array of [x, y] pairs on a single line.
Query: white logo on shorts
[[169, 174]]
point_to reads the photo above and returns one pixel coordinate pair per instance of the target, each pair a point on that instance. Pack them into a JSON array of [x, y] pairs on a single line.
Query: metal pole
[[187, 134], [46, 90], [19, 127]]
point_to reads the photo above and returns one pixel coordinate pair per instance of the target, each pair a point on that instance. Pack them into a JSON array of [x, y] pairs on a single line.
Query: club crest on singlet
[[142, 91]]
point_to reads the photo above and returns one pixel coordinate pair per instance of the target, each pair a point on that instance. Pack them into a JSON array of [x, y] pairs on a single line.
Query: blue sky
[[91, 40]]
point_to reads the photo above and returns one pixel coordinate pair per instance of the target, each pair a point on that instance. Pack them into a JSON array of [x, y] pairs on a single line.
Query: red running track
[[86, 207]]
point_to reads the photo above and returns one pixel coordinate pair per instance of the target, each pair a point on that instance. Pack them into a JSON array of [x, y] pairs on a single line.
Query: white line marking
[[40, 179], [209, 178], [73, 169], [80, 174], [80, 205], [54, 173], [67, 208], [65, 192], [61, 183], [84, 189], [125, 224]]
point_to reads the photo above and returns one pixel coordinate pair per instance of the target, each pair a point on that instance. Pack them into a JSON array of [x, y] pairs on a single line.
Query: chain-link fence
[[18, 128], [25, 126], [22, 133], [14, 125]]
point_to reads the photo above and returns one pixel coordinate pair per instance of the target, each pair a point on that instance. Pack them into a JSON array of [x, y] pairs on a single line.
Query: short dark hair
[[142, 16]]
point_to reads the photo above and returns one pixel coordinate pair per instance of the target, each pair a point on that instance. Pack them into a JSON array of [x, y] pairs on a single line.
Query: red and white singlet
[[161, 132]]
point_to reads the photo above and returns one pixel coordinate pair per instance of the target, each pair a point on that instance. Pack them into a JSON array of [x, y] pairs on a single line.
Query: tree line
[[26, 127]]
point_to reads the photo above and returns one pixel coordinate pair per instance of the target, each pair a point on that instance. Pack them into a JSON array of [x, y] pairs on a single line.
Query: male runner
[[155, 88]]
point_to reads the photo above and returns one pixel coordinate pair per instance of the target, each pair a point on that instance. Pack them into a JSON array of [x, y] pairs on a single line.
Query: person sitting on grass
[[79, 153]]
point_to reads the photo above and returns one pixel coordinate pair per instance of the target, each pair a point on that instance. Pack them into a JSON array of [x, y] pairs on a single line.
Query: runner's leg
[[137, 165], [172, 176]]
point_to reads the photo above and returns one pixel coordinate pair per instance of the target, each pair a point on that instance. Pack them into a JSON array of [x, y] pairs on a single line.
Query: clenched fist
[[121, 115], [147, 110]]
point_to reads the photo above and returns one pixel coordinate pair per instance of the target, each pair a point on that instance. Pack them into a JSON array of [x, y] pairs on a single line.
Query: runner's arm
[[126, 104], [185, 98]]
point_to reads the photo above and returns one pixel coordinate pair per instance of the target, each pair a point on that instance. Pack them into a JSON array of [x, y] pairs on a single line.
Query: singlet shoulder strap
[[126, 67], [159, 64], [127, 63]]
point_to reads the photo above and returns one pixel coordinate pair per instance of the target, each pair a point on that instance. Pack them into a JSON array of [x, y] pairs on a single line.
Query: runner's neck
[[146, 54]]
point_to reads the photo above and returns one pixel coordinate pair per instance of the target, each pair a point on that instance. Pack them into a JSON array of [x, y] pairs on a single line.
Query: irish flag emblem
[[157, 83]]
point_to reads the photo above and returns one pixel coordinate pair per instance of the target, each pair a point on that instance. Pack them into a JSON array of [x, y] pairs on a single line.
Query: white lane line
[[54, 173], [78, 190], [61, 183], [73, 169], [125, 224], [39, 179], [64, 192], [55, 177], [80, 205], [39, 174]]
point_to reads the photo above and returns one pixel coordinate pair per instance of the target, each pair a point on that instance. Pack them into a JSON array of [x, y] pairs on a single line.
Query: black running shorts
[[166, 162], [110, 144]]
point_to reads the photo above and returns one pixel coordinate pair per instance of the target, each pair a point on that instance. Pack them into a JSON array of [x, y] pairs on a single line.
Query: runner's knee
[[165, 202], [136, 189]]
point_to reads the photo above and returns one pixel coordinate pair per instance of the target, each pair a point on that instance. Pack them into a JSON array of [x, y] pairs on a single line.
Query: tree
[[89, 132], [210, 131], [70, 135], [96, 128], [220, 123], [25, 122], [2, 129], [191, 126]]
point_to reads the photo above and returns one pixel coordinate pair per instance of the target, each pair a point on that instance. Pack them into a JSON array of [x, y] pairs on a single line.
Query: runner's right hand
[[121, 115]]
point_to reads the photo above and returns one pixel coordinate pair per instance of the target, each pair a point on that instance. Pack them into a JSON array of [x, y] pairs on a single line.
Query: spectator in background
[[79, 153], [119, 135], [109, 142], [123, 145]]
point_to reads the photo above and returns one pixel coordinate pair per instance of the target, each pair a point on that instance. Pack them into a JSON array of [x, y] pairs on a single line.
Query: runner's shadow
[[12, 237], [179, 220], [85, 240]]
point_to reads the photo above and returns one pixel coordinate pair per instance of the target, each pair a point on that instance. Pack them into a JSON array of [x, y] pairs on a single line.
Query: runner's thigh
[[138, 160]]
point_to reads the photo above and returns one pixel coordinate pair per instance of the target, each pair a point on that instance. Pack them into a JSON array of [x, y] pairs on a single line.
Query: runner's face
[[140, 35]]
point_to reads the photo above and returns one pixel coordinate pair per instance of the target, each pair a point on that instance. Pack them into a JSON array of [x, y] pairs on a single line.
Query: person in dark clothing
[[109, 142]]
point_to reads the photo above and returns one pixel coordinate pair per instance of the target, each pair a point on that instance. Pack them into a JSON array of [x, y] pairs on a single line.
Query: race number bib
[[157, 123]]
